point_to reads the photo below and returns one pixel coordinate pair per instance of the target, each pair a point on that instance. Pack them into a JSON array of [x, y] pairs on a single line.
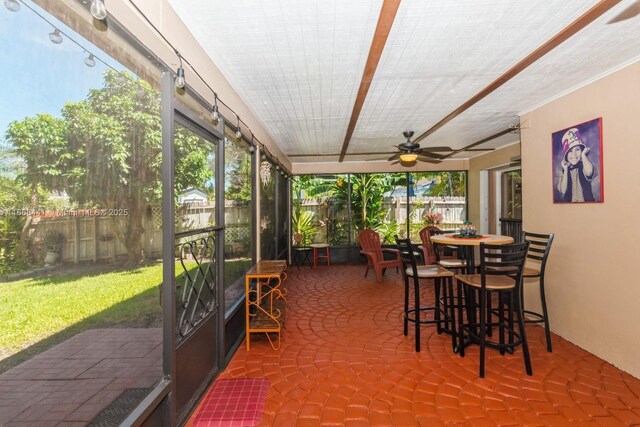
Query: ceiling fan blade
[[438, 148], [396, 162], [395, 156], [428, 153], [421, 158], [630, 12]]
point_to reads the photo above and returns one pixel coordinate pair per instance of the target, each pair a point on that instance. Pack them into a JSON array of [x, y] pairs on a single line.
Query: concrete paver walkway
[[72, 382]]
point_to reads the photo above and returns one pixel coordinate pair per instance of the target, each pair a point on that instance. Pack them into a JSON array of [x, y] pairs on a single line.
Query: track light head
[[238, 130], [98, 9], [90, 61], [55, 36], [12, 5], [180, 81]]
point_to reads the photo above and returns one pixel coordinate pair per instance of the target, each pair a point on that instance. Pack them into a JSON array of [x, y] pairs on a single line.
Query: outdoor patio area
[[345, 361], [74, 381]]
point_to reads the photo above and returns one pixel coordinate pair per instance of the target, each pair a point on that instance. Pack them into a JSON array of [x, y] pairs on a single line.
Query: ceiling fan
[[409, 152]]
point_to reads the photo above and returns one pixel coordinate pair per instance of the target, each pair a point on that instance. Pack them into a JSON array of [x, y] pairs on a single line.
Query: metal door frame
[[162, 399]]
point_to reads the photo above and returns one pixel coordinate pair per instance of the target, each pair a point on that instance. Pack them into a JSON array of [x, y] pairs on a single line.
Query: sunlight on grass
[[33, 309]]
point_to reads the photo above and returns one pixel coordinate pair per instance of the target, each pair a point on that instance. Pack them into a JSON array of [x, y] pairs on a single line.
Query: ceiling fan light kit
[[409, 152], [408, 157]]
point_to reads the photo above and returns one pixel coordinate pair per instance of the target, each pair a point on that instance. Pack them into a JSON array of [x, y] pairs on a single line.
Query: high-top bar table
[[467, 244], [467, 247]]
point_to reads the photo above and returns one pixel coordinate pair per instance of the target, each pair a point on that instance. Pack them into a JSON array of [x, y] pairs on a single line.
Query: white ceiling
[[297, 64]]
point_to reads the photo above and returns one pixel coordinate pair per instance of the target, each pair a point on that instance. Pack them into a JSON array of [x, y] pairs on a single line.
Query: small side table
[[320, 256], [265, 303], [301, 251]]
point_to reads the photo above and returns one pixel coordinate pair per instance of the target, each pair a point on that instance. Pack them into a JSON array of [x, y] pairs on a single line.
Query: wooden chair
[[427, 246], [539, 247], [451, 262], [443, 308], [372, 248], [501, 268]]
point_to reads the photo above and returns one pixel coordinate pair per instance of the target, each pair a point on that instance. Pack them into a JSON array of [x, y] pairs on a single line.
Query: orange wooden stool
[[318, 256]]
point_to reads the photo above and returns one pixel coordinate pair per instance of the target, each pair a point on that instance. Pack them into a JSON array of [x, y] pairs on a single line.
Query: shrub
[[54, 240]]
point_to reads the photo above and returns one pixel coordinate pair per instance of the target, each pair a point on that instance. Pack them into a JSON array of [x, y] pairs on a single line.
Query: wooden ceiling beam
[[475, 144], [383, 28], [571, 29]]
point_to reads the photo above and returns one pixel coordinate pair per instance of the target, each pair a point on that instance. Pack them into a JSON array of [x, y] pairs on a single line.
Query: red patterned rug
[[233, 402]]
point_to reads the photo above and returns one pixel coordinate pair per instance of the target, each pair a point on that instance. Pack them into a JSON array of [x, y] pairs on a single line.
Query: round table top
[[492, 239]]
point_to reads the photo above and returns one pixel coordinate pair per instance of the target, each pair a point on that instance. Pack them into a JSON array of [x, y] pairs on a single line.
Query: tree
[[449, 184], [238, 173], [367, 195], [12, 196], [105, 152]]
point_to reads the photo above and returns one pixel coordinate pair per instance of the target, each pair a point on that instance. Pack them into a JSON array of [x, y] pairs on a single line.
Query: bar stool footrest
[[539, 317]]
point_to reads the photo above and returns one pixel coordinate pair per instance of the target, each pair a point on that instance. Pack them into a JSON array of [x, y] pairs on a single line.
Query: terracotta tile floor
[[344, 361]]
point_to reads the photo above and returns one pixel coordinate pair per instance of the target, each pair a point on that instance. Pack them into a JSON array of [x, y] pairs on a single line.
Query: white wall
[[593, 289]]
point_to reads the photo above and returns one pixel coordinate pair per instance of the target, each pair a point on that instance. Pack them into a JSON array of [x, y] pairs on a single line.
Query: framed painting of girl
[[577, 163]]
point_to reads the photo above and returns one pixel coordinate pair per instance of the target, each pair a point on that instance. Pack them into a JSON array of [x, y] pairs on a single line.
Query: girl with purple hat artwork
[[576, 164]]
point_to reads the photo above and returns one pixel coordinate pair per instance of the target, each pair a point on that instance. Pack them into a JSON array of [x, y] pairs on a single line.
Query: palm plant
[[305, 225], [365, 191], [367, 197]]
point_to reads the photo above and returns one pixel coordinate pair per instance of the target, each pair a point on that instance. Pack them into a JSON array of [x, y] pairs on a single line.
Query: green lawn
[[38, 308], [40, 312]]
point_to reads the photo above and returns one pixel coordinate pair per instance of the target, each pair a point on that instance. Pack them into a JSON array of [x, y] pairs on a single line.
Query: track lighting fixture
[[90, 61], [55, 36], [238, 130], [98, 9], [12, 5], [215, 113]]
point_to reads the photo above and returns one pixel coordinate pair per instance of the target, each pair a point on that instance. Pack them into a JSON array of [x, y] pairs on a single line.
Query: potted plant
[[433, 218], [53, 241]]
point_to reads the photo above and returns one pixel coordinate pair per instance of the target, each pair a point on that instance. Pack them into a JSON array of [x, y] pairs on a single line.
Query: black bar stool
[[501, 269], [539, 247], [443, 314]]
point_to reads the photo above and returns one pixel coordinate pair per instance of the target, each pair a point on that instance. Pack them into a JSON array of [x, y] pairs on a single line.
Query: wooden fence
[[453, 210], [92, 238]]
